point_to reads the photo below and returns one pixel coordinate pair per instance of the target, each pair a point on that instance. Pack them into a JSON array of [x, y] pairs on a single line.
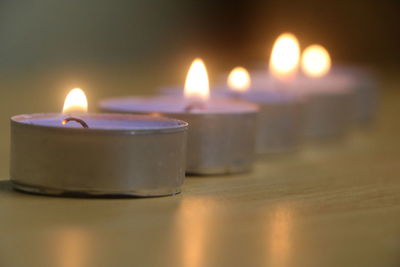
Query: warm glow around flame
[[196, 85], [315, 61], [239, 79], [285, 56], [75, 102]]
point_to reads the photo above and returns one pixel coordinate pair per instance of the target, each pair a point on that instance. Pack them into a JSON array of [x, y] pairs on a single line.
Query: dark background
[[164, 35], [121, 47]]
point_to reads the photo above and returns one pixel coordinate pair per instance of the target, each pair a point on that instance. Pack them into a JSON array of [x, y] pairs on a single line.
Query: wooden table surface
[[334, 204]]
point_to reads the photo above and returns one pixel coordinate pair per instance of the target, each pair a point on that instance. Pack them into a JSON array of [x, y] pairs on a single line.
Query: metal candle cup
[[117, 155], [330, 105], [280, 121], [280, 118], [366, 91], [337, 98], [221, 136], [328, 115]]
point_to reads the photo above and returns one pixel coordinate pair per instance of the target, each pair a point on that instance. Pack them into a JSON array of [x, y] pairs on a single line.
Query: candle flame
[[316, 61], [285, 56], [75, 102], [197, 85], [239, 79]]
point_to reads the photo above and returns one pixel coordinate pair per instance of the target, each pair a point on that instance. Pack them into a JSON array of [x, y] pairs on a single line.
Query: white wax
[[100, 121]]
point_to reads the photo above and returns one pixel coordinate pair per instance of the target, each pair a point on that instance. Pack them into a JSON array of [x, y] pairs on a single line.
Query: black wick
[[81, 122], [194, 105]]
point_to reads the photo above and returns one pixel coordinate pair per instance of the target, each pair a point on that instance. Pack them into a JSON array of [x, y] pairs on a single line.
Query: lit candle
[[221, 132], [77, 153], [330, 97], [316, 63], [279, 126]]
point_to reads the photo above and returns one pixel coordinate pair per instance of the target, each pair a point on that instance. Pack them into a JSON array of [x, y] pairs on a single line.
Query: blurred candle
[[366, 84], [279, 126], [330, 97]]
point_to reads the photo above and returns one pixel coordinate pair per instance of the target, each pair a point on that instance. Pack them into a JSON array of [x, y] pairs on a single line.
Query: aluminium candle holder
[[118, 155], [280, 119], [279, 123], [366, 87], [219, 143], [328, 114]]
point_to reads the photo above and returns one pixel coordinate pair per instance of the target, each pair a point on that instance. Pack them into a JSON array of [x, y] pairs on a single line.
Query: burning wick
[[197, 89], [80, 121], [75, 102]]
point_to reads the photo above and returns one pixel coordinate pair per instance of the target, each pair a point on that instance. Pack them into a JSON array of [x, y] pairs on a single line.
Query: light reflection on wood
[[71, 246], [279, 237], [193, 221]]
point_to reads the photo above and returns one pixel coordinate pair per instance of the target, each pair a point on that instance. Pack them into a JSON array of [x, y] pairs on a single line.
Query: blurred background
[[122, 47]]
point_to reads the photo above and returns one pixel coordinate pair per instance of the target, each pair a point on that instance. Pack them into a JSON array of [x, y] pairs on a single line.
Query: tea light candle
[[97, 154], [331, 98], [280, 120], [221, 132], [366, 87]]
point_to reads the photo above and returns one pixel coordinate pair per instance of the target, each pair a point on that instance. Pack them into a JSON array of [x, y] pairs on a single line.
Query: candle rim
[[25, 120]]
